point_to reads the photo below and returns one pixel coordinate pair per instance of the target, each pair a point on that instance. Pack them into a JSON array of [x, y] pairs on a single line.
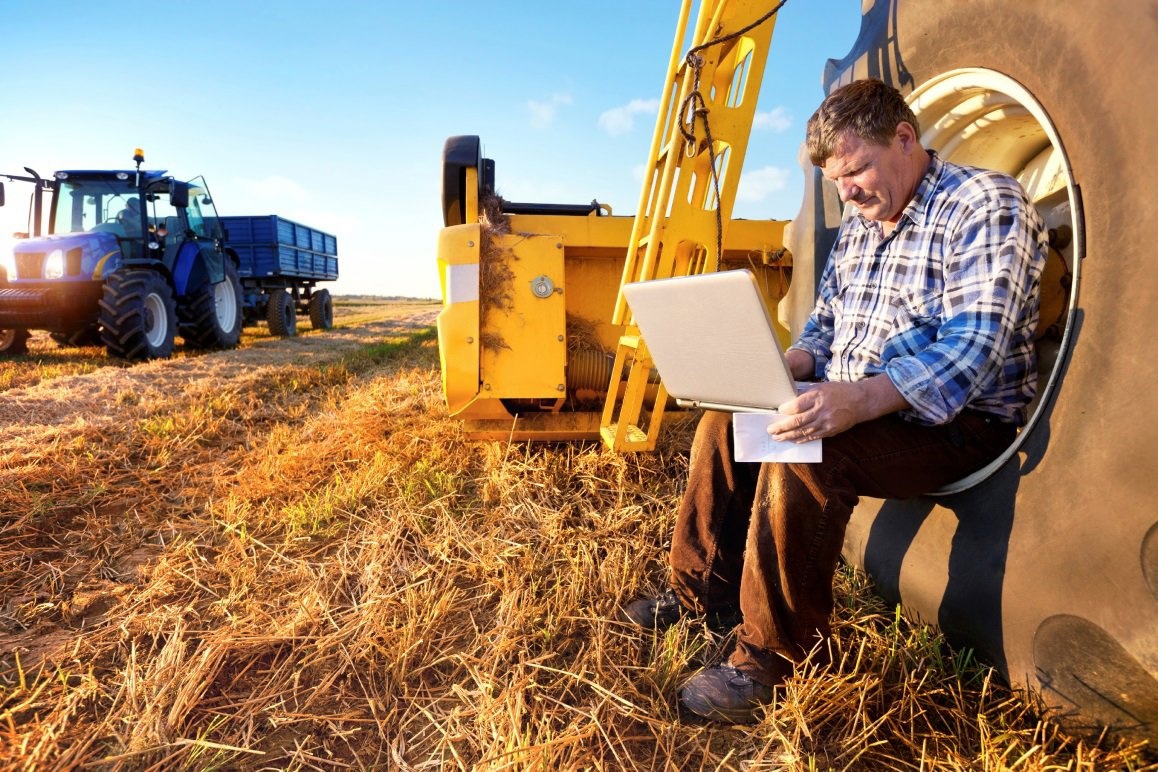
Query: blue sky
[[334, 113]]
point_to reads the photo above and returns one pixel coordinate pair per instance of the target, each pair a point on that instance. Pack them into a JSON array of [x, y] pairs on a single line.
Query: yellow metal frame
[[677, 228], [507, 368]]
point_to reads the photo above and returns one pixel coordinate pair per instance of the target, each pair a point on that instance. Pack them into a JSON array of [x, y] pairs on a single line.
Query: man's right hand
[[801, 364]]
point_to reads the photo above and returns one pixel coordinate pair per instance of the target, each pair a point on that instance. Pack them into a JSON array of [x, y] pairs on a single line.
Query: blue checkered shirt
[[946, 306]]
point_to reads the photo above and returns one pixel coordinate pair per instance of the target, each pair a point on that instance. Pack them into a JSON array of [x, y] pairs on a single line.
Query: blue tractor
[[131, 259]]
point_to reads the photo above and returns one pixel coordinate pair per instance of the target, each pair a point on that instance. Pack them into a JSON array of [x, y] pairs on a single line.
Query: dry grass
[[303, 565]]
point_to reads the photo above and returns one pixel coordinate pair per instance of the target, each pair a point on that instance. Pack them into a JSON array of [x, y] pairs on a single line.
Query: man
[[129, 218], [922, 338]]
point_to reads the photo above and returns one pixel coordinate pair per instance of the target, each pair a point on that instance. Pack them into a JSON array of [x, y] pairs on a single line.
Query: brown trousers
[[768, 536]]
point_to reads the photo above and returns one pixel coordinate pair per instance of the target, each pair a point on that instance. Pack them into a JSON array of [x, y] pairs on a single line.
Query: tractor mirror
[[1, 194], [178, 195]]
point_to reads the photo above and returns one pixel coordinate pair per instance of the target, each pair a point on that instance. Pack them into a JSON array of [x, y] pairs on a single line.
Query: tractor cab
[[149, 214]]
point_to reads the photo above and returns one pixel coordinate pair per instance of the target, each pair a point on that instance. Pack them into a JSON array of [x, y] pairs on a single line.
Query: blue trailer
[[280, 263]]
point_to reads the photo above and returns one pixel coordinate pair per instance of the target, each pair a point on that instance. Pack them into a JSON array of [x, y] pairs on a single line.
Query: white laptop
[[712, 341]]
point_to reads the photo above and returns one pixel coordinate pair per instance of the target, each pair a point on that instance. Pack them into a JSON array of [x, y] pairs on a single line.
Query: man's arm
[[832, 407]]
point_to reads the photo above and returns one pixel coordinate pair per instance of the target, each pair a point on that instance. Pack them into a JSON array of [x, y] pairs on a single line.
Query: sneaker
[[658, 613], [723, 693]]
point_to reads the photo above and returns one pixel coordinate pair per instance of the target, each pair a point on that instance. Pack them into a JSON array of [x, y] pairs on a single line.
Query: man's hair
[[868, 109]]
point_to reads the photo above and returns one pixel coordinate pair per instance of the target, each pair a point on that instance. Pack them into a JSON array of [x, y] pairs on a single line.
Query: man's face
[[879, 180]]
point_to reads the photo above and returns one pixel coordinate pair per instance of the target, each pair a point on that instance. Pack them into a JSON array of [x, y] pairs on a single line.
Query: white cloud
[[778, 120], [621, 120], [757, 185], [543, 111]]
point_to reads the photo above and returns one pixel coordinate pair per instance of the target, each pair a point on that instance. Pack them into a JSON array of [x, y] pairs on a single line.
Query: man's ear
[[907, 136]]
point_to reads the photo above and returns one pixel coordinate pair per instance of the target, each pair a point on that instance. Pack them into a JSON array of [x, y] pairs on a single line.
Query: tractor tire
[[1047, 568], [13, 342], [86, 336], [138, 316], [211, 316], [282, 314], [322, 310]]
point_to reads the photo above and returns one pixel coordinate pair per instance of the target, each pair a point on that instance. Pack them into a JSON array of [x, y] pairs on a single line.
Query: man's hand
[[800, 364], [832, 407]]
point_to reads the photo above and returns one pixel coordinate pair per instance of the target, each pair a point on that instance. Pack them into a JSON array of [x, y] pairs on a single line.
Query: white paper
[[753, 443]]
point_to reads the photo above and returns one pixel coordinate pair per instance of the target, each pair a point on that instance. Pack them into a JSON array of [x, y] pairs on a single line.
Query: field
[[288, 557]]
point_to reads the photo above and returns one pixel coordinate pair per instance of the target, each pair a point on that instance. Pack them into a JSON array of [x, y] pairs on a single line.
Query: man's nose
[[847, 190]]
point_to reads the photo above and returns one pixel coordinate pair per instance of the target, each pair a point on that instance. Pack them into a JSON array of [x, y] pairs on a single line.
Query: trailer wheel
[[211, 315], [322, 310], [138, 316], [281, 313], [14, 342]]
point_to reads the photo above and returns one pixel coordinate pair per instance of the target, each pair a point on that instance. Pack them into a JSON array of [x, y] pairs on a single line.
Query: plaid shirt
[[946, 306]]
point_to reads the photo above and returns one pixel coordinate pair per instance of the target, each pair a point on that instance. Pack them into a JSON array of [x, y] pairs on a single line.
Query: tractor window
[[162, 214], [202, 213], [85, 205]]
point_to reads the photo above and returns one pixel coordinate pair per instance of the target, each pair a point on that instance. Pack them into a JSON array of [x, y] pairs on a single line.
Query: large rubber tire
[[13, 342], [322, 310], [458, 154], [138, 316], [282, 314], [1050, 567], [211, 316]]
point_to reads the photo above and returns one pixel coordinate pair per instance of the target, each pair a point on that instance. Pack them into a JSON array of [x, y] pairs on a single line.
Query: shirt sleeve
[[992, 268]]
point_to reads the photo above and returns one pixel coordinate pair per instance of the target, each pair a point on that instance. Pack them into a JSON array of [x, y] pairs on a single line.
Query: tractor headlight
[[8, 261], [54, 264]]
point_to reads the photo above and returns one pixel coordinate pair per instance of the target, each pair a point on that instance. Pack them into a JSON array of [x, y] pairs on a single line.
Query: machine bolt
[[469, 339], [470, 243], [542, 286], [560, 387], [560, 338]]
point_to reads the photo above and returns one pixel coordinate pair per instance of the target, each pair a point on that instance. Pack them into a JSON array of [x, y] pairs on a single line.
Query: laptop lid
[[712, 340]]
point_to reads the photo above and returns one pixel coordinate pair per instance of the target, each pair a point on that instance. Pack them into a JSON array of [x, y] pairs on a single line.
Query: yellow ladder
[[701, 136]]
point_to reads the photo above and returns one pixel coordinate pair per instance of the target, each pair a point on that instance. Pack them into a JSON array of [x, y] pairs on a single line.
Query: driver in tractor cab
[[129, 218]]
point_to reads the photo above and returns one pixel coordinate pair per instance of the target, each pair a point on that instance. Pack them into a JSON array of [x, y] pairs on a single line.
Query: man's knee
[[713, 435], [714, 424]]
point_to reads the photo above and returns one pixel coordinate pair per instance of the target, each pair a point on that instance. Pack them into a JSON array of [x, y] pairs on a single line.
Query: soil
[[42, 605]]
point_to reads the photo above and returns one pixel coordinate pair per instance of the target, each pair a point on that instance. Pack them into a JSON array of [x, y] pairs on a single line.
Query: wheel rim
[[156, 320], [6, 338], [982, 118], [225, 304]]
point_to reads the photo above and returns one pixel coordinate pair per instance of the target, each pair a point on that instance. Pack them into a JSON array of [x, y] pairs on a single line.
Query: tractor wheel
[[210, 317], [282, 314], [1046, 567], [86, 336], [322, 310], [138, 316], [13, 342]]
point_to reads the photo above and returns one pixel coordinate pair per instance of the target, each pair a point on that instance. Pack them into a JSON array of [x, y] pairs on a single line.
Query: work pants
[[768, 536]]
